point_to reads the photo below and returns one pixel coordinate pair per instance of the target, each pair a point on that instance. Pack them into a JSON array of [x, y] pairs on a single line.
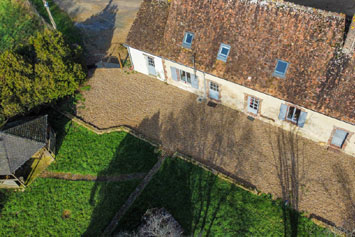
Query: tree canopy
[[40, 72]]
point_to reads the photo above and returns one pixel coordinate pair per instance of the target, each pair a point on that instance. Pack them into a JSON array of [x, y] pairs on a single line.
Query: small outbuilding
[[27, 148]]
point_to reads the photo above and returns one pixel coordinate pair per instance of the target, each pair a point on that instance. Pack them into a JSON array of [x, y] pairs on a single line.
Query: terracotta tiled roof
[[259, 32]]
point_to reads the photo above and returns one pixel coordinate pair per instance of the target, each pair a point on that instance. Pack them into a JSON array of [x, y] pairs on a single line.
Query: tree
[[43, 71]]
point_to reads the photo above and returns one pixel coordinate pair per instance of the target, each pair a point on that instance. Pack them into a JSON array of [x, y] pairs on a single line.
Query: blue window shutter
[[194, 81], [173, 73], [339, 137], [283, 110], [302, 119]]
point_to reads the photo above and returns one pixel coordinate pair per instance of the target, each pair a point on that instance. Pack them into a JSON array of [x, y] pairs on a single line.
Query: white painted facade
[[318, 127], [139, 60]]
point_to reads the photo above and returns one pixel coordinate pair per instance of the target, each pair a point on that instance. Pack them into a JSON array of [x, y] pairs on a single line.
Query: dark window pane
[[188, 38], [281, 67], [290, 112], [224, 51]]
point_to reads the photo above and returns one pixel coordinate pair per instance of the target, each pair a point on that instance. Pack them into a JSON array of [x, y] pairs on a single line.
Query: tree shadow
[[347, 192], [98, 32], [195, 197], [288, 155], [131, 156]]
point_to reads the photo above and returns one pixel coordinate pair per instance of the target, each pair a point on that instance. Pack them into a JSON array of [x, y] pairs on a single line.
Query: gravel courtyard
[[253, 152]]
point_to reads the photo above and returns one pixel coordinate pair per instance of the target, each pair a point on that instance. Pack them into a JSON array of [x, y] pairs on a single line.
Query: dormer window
[[280, 69], [223, 52], [188, 40]]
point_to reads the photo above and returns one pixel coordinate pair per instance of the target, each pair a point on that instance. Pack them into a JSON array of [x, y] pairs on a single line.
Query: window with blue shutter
[[280, 69], [283, 111], [194, 81], [339, 138], [187, 42], [174, 73], [223, 52], [302, 119]]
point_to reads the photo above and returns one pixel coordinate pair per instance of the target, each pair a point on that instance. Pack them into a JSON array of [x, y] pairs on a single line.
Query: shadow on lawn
[[195, 197], [131, 156]]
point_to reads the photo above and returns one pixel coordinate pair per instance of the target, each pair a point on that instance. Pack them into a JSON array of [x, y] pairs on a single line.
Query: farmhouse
[[287, 65], [26, 149]]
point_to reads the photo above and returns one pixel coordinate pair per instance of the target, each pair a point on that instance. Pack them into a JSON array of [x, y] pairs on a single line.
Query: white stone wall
[[318, 127], [140, 64]]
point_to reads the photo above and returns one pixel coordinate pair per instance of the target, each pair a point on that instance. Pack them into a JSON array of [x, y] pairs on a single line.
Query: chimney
[[349, 45]]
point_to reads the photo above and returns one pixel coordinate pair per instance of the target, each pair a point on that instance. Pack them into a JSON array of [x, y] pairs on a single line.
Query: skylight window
[[223, 52], [280, 69], [188, 40]]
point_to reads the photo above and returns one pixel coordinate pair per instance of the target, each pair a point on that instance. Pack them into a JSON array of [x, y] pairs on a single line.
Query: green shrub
[[43, 71]]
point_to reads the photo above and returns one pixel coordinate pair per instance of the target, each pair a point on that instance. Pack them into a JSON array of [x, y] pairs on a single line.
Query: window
[[214, 87], [280, 69], [188, 40], [180, 75], [293, 114], [253, 105], [223, 52], [151, 61], [214, 91], [185, 76], [339, 138]]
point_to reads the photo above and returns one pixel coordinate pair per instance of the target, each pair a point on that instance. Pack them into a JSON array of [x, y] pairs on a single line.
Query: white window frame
[[184, 76], [185, 43], [278, 73], [293, 118], [221, 56], [214, 86]]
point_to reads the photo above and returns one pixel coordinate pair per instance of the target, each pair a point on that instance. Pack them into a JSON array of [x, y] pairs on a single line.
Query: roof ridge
[[294, 6]]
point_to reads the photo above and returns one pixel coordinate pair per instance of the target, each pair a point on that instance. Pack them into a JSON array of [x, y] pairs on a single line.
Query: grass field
[[82, 151], [38, 211], [203, 203]]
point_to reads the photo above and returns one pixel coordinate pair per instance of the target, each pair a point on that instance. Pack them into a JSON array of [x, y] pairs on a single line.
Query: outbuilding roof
[[19, 141], [260, 32]]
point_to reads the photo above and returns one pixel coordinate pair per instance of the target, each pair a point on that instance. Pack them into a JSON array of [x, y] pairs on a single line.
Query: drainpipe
[[203, 73]]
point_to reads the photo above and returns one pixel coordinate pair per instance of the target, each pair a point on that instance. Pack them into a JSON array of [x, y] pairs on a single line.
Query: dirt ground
[[104, 23], [258, 155]]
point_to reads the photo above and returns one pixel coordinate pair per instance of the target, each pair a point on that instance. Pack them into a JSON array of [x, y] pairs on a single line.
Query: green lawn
[[201, 202], [38, 210], [82, 151]]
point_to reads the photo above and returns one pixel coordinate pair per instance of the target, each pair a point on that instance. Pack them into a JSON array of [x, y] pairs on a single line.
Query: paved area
[[104, 23], [254, 153]]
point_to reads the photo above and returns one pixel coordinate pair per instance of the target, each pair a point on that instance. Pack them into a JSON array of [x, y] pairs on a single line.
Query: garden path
[[89, 177]]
